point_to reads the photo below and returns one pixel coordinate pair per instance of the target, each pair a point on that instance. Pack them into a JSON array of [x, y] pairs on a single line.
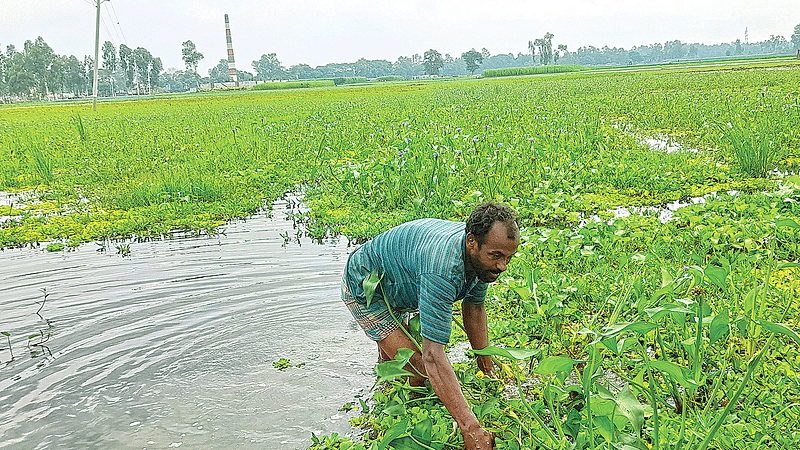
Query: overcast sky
[[318, 32]]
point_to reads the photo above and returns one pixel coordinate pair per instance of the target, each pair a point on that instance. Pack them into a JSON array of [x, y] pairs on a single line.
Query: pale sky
[[318, 32]]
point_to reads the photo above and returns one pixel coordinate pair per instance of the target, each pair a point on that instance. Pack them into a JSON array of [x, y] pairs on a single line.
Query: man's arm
[[445, 384], [475, 324]]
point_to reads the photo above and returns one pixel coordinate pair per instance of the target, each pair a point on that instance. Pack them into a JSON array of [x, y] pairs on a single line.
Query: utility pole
[[96, 53]]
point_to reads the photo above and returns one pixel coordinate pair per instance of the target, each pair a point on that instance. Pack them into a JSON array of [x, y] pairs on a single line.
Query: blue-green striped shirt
[[422, 262]]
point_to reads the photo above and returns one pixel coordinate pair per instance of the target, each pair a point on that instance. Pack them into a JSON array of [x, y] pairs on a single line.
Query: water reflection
[[173, 345]]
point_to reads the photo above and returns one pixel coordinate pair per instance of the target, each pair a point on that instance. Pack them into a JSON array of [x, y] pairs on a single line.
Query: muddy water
[[173, 345]]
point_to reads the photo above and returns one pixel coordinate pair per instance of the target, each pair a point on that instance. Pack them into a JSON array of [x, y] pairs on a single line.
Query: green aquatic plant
[[8, 339]]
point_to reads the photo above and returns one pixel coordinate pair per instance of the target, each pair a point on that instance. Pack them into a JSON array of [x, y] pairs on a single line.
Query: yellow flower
[[480, 374]]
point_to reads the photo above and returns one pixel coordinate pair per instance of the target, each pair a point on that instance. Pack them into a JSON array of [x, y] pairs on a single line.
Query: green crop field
[[630, 331]]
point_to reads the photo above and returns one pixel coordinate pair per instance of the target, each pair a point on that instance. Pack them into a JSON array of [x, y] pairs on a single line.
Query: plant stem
[[8, 337], [44, 291], [698, 343], [750, 368], [651, 383], [532, 411], [402, 327]]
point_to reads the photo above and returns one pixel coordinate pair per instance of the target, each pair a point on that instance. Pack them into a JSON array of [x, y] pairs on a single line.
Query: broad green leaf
[[370, 284], [488, 407], [750, 299], [555, 364], [523, 292], [661, 292], [786, 223], [666, 278], [631, 408], [636, 327], [676, 372], [406, 443], [510, 353], [396, 430], [717, 275], [603, 392], [573, 424], [391, 370], [611, 344], [780, 329], [720, 326], [395, 410], [404, 355], [414, 328], [788, 265], [605, 427], [422, 431], [658, 313], [603, 406]]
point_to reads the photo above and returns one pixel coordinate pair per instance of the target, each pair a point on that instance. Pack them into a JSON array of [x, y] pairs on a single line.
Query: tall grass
[[41, 163], [291, 85], [537, 70]]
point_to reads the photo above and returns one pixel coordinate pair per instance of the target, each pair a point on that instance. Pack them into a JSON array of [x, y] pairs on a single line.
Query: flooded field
[[174, 344]]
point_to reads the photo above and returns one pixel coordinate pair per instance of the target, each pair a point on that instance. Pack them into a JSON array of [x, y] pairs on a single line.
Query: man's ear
[[472, 243]]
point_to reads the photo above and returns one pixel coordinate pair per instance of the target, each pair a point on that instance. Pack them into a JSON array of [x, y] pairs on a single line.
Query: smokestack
[[231, 62]]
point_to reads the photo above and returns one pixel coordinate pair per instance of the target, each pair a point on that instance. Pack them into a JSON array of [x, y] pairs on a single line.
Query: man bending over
[[427, 265]]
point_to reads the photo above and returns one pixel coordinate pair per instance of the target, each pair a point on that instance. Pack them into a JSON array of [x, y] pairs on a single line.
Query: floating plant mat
[[174, 344]]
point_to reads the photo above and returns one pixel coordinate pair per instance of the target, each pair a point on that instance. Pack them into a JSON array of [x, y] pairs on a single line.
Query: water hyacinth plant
[[644, 331]]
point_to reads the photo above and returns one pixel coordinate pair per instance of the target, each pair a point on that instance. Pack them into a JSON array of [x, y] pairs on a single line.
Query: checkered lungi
[[375, 320]]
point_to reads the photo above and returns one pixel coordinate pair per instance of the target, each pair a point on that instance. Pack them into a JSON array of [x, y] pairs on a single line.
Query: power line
[[105, 27], [113, 27], [120, 26]]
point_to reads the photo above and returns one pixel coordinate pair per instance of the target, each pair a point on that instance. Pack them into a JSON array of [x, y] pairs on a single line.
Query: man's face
[[489, 260]]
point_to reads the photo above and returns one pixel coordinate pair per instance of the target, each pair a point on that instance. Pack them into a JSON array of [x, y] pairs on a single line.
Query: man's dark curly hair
[[486, 214]]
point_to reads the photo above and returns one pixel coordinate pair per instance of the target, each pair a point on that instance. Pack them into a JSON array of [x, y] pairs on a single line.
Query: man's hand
[[477, 439], [475, 326], [486, 366]]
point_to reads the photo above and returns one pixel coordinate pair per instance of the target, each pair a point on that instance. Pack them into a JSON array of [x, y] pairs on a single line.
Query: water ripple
[[174, 344]]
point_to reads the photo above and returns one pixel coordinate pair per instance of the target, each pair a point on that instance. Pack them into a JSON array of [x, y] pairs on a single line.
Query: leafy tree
[[126, 65], [407, 67], [301, 72], [20, 81], [545, 45], [674, 49], [191, 57], [269, 68], [796, 37], [433, 62], [156, 67], [532, 48], [178, 80], [561, 48], [141, 61], [110, 61], [87, 68], [73, 77], [243, 75], [109, 57], [37, 61], [220, 72], [472, 59], [3, 75]]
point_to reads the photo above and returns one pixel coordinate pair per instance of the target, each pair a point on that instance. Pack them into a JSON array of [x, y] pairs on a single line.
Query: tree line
[[37, 72]]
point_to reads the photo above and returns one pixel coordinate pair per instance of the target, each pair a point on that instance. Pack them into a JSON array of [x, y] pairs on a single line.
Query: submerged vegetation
[[640, 332]]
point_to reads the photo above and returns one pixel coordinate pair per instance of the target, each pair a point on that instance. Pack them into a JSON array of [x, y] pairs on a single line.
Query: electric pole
[[96, 53]]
